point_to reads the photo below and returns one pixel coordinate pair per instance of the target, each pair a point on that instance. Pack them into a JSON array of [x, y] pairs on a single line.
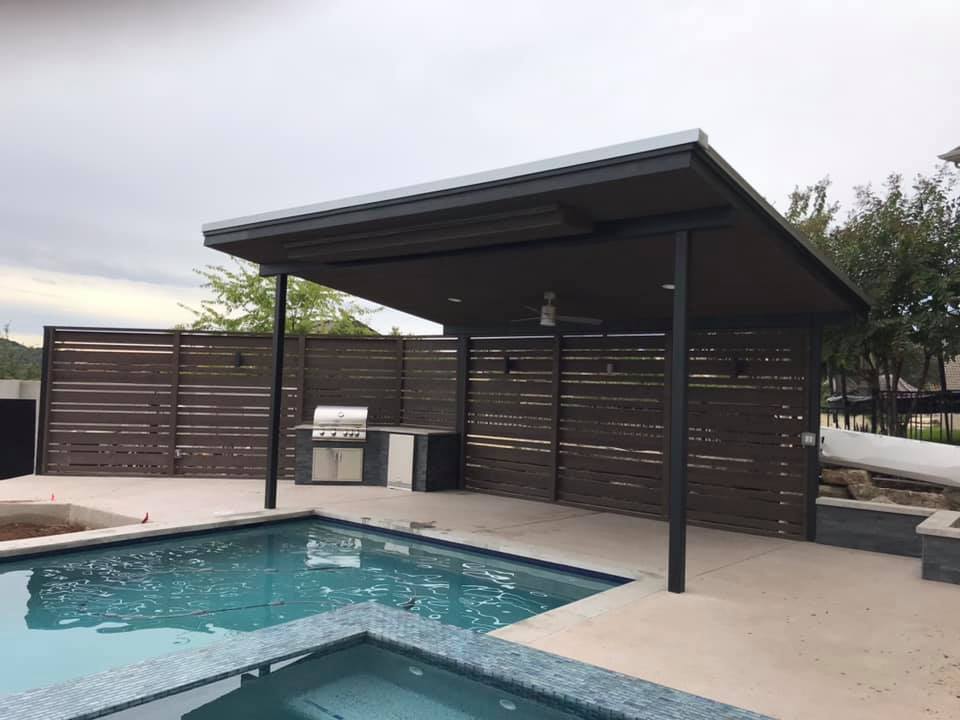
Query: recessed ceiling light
[[668, 286], [453, 299]]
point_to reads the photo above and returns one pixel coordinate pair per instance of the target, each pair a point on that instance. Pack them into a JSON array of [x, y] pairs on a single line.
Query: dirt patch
[[22, 530]]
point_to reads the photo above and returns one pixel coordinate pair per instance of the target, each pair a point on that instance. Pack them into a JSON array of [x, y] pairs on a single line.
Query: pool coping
[[123, 534], [585, 690], [129, 534]]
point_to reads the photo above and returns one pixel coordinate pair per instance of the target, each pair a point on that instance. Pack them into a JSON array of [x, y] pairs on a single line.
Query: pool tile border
[[588, 691]]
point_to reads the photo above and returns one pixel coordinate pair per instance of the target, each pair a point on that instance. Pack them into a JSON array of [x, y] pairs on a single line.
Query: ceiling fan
[[548, 316]]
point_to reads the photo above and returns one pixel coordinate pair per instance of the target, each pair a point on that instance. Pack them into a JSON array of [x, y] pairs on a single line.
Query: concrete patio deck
[[790, 629]]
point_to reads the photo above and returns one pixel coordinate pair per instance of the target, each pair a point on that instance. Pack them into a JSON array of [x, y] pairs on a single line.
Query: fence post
[[302, 379], [555, 417], [174, 404], [814, 362], [945, 400], [463, 378], [401, 353], [46, 376]]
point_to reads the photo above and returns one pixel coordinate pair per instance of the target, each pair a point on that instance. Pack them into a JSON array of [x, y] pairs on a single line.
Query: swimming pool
[[73, 614], [361, 682]]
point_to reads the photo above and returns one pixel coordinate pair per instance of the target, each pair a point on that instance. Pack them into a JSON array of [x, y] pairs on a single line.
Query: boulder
[[844, 476], [834, 491], [951, 496], [917, 498], [865, 490]]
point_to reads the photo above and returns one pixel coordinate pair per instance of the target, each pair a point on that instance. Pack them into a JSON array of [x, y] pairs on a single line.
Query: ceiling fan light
[[548, 315]]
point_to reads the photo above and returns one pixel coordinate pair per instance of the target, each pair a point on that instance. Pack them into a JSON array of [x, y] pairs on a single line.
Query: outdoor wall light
[[668, 286], [453, 299]]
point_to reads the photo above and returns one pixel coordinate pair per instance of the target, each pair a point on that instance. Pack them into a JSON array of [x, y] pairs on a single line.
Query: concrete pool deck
[[785, 628]]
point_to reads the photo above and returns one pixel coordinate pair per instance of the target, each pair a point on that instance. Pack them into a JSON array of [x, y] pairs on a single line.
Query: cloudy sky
[[126, 124]]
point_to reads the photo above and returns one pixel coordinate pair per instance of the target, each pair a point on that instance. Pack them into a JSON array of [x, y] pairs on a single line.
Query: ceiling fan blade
[[579, 320], [527, 319]]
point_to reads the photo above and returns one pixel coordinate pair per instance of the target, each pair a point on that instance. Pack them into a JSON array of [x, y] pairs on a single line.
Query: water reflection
[[247, 580]]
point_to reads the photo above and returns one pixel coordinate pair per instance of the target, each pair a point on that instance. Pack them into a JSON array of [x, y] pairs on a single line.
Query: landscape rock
[[951, 497], [864, 490], [834, 491], [844, 476], [916, 498], [870, 492]]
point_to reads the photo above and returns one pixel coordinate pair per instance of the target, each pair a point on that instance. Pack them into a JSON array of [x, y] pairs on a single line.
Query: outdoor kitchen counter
[[411, 430], [434, 464]]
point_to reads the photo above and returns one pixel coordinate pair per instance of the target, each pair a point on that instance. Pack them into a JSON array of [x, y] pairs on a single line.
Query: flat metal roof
[[559, 162]]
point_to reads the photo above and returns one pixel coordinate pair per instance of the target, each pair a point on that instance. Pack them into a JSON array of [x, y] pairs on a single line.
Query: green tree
[[902, 246], [243, 302], [18, 362]]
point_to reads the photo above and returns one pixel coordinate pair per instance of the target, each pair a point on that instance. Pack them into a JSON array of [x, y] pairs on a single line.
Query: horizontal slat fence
[[198, 404], [578, 419], [509, 417], [582, 420], [747, 467], [611, 423]]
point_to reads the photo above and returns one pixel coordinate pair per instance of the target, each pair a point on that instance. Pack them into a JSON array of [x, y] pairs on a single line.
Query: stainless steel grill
[[339, 423]]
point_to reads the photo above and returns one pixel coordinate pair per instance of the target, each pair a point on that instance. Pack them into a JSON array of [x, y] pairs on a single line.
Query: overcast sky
[[126, 124]]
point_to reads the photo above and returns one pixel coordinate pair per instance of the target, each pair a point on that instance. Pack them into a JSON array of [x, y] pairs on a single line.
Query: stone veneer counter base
[[941, 546], [877, 527], [572, 686]]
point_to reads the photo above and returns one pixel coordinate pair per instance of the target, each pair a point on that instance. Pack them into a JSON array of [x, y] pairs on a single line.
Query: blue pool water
[[73, 614]]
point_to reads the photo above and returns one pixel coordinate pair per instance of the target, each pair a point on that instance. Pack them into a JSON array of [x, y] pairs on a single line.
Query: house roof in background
[[953, 374], [952, 155]]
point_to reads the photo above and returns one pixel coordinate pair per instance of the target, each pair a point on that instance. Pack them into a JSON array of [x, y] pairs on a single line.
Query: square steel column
[[276, 392], [677, 560]]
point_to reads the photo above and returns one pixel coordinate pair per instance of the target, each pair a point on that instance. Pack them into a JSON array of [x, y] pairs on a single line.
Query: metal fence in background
[[921, 415]]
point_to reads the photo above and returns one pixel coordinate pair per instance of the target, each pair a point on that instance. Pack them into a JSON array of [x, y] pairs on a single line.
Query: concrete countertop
[[403, 429], [410, 430]]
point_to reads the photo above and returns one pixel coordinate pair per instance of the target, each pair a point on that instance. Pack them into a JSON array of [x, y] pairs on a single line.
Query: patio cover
[[595, 227], [606, 230]]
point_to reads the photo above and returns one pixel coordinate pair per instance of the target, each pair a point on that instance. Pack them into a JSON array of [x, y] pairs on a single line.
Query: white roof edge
[[951, 155], [609, 152]]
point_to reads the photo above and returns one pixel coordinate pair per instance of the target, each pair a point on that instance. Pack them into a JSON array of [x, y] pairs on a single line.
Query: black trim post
[[463, 377], [814, 380], [276, 392], [43, 420], [677, 560]]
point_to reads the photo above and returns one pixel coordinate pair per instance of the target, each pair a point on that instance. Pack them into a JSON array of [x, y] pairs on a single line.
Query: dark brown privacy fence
[[747, 467], [137, 402], [577, 419], [581, 419]]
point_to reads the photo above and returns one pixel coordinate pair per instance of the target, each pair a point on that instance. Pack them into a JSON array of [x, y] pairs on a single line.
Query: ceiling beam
[[706, 219], [733, 322]]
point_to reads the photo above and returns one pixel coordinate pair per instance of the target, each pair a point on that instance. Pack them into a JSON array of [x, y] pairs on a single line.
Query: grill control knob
[[321, 432]]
